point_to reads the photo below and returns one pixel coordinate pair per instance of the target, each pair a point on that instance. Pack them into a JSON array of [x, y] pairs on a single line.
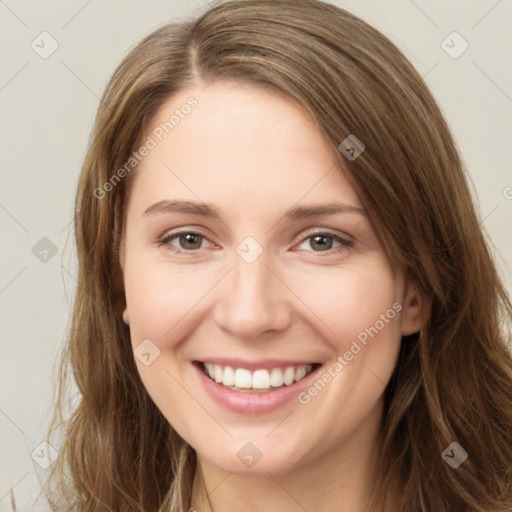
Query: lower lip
[[253, 403]]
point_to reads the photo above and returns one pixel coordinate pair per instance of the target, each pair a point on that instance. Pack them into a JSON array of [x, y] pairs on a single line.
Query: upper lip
[[264, 364]]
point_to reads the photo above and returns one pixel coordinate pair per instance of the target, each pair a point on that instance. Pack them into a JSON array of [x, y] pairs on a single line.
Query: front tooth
[[276, 378], [289, 375], [229, 376], [243, 378], [217, 372], [261, 379]]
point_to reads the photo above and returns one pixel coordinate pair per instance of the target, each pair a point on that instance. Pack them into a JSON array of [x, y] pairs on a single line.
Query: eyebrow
[[294, 213]]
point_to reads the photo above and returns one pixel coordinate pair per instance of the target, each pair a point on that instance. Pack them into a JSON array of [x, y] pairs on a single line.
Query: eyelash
[[344, 243]]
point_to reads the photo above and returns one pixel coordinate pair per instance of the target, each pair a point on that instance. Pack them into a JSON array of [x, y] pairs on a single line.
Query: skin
[[253, 154]]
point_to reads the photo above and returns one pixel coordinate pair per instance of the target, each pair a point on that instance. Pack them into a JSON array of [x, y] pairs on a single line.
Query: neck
[[340, 480]]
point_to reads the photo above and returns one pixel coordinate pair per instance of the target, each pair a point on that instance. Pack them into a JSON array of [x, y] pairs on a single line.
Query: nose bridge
[[252, 300]]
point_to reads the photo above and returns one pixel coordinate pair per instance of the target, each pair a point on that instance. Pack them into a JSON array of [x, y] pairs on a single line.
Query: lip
[[252, 403]]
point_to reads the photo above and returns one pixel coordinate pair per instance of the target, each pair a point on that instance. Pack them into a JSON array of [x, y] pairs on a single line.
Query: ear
[[416, 310], [126, 316]]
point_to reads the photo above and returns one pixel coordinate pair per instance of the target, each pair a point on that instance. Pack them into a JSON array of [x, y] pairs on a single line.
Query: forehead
[[250, 145]]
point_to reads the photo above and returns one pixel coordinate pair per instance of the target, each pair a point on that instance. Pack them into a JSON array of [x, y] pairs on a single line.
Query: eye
[[186, 241], [325, 242]]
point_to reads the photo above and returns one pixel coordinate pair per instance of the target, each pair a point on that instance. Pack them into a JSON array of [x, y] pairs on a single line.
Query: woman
[[285, 299]]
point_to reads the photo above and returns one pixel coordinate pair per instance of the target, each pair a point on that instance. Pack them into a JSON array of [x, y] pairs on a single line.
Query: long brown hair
[[453, 380]]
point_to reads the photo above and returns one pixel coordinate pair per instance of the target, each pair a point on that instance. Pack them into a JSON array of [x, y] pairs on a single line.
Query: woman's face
[[247, 254]]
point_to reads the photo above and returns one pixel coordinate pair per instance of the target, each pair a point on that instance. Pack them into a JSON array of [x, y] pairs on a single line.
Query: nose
[[252, 300]]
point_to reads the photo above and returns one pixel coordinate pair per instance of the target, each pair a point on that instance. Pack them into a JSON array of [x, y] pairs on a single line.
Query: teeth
[[299, 373], [260, 379], [242, 378], [276, 378], [289, 375], [229, 376]]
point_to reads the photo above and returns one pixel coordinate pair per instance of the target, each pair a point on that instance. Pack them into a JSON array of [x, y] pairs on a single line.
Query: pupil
[[322, 244]]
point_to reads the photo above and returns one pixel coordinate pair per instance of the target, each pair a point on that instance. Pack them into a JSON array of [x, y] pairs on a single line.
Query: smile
[[256, 381], [254, 387]]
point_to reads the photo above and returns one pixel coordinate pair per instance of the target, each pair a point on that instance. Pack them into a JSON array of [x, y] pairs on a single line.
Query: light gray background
[[47, 108]]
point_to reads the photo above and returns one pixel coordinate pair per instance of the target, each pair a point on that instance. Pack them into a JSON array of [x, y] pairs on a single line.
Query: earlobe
[[126, 316], [415, 311]]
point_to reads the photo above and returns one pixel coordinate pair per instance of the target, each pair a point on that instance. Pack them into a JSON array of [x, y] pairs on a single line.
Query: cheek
[[160, 298], [351, 300], [361, 306], [163, 302]]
